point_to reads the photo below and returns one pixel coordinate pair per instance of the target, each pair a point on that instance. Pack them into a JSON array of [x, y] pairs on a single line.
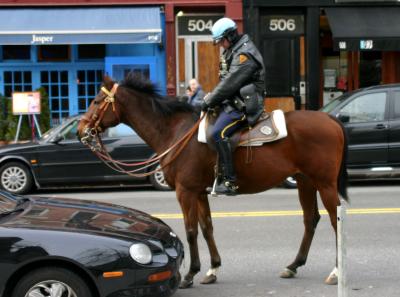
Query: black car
[[371, 117], [68, 247], [58, 159]]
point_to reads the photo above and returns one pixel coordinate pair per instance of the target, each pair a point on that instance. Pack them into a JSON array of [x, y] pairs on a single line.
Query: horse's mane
[[164, 105]]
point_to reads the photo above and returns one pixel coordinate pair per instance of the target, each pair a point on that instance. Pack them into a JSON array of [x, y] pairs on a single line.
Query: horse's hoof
[[209, 279], [186, 284], [331, 280], [287, 273]]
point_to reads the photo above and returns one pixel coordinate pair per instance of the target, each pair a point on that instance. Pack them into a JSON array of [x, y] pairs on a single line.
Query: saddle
[[269, 127]]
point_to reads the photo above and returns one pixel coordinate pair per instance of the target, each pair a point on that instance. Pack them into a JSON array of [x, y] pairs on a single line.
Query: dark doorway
[[370, 68], [282, 59]]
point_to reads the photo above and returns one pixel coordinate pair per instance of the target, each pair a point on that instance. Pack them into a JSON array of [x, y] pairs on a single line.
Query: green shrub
[[5, 106]]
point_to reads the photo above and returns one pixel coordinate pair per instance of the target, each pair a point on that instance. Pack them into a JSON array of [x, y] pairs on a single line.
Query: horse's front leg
[[207, 230], [189, 208]]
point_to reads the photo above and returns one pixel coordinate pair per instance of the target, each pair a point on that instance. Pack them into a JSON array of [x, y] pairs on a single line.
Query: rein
[[116, 165], [101, 152]]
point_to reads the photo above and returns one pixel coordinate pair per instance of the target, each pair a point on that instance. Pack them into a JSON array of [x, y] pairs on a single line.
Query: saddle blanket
[[270, 127]]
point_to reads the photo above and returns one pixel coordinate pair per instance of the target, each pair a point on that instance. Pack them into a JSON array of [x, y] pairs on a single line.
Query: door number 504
[[199, 25]]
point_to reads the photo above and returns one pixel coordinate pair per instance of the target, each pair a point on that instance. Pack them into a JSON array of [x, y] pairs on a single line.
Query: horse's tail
[[343, 177]]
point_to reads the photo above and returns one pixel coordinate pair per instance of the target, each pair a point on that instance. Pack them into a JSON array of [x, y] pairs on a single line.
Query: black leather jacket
[[241, 65]]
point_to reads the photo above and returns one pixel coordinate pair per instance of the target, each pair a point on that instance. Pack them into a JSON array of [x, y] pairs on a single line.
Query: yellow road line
[[279, 213]]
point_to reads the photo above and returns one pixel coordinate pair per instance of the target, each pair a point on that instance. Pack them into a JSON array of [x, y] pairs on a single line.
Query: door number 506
[[282, 25]]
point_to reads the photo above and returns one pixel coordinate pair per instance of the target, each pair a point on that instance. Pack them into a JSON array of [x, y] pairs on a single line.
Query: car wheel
[[290, 182], [15, 178], [158, 181], [51, 281]]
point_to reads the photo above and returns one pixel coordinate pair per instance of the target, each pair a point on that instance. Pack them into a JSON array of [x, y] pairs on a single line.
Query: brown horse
[[314, 150]]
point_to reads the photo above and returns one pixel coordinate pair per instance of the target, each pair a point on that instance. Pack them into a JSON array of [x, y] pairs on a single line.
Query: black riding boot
[[227, 185]]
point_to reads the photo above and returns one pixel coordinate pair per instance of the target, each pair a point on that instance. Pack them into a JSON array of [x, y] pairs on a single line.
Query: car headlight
[[172, 252], [141, 253]]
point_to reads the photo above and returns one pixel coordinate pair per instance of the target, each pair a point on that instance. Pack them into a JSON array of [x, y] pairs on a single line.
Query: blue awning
[[103, 25]]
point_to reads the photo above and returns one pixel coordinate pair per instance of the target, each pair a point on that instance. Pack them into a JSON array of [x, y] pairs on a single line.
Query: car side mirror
[[57, 138], [344, 118]]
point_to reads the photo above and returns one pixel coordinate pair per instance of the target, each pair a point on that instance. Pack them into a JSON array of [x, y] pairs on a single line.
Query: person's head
[[189, 91], [224, 32], [193, 84]]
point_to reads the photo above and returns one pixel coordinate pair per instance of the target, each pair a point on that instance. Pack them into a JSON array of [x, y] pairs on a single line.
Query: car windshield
[[332, 105], [48, 133], [67, 129], [121, 130]]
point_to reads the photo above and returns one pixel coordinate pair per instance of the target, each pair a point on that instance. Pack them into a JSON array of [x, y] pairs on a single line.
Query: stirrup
[[211, 190], [225, 188]]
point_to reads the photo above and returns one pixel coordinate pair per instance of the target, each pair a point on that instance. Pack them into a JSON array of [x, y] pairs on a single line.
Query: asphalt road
[[258, 235]]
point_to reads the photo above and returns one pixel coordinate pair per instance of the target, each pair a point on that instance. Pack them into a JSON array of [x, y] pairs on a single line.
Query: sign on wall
[[26, 103], [196, 24], [283, 24]]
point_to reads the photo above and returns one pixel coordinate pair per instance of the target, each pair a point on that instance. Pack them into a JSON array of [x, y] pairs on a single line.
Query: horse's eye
[[95, 102]]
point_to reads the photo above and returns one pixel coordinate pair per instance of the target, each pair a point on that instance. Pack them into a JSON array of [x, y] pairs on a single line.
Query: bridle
[[93, 128], [92, 139]]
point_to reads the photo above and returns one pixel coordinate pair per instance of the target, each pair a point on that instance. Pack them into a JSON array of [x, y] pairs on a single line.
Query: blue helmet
[[221, 28]]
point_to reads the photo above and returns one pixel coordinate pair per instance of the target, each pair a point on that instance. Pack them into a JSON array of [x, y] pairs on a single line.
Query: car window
[[366, 108], [396, 105], [120, 130], [332, 104]]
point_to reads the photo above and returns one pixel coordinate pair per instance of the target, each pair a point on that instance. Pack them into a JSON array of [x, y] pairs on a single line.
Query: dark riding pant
[[227, 124]]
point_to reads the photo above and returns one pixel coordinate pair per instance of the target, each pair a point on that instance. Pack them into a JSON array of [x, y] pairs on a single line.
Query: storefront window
[[53, 53], [89, 82], [56, 85], [16, 52], [122, 70], [91, 51], [17, 81]]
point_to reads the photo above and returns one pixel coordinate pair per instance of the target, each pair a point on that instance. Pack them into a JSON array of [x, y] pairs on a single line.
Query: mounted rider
[[239, 94]]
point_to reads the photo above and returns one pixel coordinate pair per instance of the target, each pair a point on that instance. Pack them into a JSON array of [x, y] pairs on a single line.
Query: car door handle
[[381, 126]]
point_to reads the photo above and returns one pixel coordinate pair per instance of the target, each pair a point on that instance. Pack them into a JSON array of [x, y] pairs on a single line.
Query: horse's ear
[[108, 82]]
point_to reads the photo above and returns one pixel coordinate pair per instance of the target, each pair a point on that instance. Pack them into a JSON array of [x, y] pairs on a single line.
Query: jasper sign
[[42, 39]]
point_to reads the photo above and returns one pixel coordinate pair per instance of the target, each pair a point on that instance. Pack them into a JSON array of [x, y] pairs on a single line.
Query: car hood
[[18, 147], [90, 217]]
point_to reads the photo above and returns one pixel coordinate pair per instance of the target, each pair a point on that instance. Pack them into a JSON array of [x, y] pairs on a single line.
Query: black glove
[[204, 106]]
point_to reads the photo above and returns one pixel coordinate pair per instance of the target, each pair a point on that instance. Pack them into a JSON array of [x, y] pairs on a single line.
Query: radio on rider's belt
[[223, 67]]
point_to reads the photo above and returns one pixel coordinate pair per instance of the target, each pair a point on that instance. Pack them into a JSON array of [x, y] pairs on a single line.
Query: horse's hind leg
[[207, 229], [311, 216], [330, 199], [189, 207]]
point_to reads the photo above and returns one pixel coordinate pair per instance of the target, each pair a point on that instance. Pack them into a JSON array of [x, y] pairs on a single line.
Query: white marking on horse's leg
[[287, 273], [211, 276], [212, 271], [332, 279]]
